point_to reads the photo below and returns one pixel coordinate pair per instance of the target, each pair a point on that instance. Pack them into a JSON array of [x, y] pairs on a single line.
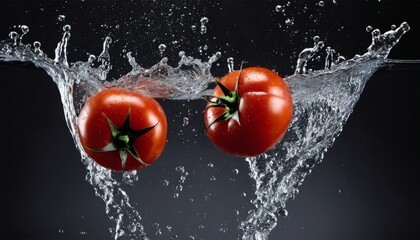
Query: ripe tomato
[[122, 130], [249, 111]]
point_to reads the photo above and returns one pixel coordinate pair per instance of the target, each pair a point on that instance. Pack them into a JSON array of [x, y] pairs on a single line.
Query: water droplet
[[185, 121], [91, 58], [181, 54], [67, 28], [204, 20], [180, 169], [369, 29], [132, 227], [321, 3], [37, 45], [230, 64], [24, 29], [203, 29], [278, 8], [61, 18], [13, 35], [162, 48], [165, 183], [282, 212], [289, 22]]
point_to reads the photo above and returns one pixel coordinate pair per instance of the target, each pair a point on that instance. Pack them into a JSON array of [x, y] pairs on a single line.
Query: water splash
[[80, 80], [323, 101]]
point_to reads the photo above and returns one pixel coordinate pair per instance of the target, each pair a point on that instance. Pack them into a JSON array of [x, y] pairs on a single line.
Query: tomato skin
[[95, 133], [265, 111]]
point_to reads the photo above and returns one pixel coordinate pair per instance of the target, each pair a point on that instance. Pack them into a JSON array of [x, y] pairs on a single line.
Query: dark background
[[366, 187]]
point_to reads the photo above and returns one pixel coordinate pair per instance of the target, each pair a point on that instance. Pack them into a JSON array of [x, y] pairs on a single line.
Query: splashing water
[[323, 101]]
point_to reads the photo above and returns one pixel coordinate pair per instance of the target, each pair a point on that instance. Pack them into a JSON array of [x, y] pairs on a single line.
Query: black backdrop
[[366, 187]]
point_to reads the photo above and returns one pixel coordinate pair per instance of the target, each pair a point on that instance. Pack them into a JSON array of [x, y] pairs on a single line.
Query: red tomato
[[122, 130], [249, 111]]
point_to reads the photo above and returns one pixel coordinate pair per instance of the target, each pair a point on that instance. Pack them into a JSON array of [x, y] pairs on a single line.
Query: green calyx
[[230, 102], [123, 140]]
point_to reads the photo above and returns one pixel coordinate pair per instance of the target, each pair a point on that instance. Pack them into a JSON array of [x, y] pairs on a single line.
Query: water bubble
[[169, 228], [393, 27], [243, 194], [212, 178], [60, 230], [321, 3], [162, 48], [210, 165], [185, 121], [316, 39], [176, 195], [179, 188], [278, 8], [61, 18], [369, 28], [66, 28], [204, 20], [200, 227], [235, 171], [193, 27]]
